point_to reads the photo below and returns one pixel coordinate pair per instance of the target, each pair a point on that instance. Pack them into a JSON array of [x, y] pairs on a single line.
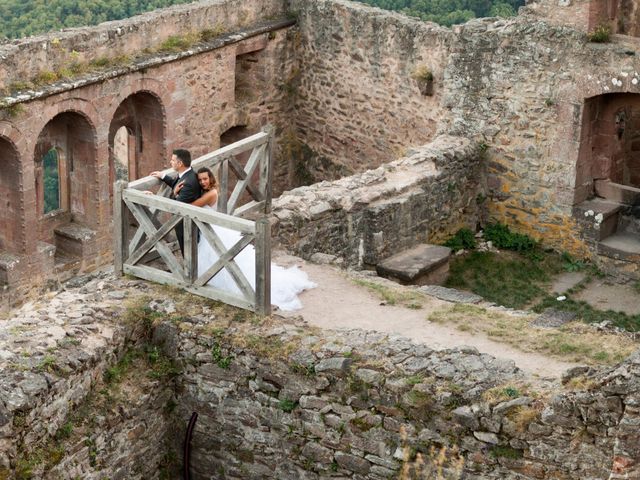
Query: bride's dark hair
[[212, 179]]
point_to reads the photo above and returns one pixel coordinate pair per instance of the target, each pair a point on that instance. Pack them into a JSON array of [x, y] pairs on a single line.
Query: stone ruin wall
[[521, 86], [23, 59], [341, 88], [286, 401], [368, 217], [358, 104], [183, 99]]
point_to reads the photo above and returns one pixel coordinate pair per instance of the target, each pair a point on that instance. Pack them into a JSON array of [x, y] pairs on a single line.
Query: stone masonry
[[92, 389], [367, 217]]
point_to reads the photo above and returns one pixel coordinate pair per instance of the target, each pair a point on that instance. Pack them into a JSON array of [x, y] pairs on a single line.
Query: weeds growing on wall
[[601, 34]]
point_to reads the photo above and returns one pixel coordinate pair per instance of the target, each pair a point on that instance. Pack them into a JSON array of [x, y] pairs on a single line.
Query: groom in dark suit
[[190, 191]]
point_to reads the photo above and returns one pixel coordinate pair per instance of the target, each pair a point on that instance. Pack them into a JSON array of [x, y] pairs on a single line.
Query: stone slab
[[451, 294], [423, 264]]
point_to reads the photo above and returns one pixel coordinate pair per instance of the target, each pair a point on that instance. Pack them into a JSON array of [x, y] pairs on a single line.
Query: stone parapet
[[365, 218], [25, 58]]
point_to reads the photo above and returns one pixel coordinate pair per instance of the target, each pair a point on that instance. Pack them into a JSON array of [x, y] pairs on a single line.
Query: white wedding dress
[[286, 283]]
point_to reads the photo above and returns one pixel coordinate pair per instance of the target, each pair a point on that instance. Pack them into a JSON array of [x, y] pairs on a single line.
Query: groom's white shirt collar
[[180, 175]]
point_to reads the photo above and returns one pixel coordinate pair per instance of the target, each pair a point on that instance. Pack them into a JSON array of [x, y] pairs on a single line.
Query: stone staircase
[[624, 242], [612, 221]]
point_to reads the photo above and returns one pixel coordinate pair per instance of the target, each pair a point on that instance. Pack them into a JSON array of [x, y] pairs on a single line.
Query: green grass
[[507, 279], [588, 314]]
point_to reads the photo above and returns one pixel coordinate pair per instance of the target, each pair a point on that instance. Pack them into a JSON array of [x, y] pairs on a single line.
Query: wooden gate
[[144, 223]]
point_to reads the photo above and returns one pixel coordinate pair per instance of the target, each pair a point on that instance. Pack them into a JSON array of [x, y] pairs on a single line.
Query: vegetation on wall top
[[450, 12], [21, 18]]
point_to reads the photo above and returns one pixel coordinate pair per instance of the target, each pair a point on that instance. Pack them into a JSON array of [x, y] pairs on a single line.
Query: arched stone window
[[51, 184], [51, 179]]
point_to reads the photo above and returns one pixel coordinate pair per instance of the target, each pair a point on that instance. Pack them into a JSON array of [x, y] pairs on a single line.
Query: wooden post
[[266, 173], [190, 250], [120, 227], [263, 266], [223, 191]]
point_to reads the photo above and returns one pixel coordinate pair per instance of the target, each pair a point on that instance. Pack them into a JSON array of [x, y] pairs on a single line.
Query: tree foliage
[[450, 12], [21, 18]]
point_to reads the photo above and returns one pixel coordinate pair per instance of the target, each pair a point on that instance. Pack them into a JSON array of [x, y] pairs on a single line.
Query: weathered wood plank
[[193, 212], [263, 266], [223, 260], [165, 278], [267, 188], [165, 252], [190, 250], [232, 267], [234, 149], [119, 226], [248, 208], [151, 241], [242, 184], [223, 190]]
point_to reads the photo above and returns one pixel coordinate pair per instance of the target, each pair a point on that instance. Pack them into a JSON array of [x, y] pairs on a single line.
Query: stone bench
[[420, 265]]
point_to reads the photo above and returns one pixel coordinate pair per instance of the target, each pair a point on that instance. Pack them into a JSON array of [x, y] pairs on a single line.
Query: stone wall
[[287, 402], [100, 380], [165, 100], [61, 415], [23, 59], [368, 217], [358, 102], [522, 85]]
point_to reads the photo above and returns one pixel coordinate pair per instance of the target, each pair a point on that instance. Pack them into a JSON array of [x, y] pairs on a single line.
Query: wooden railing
[[148, 253]]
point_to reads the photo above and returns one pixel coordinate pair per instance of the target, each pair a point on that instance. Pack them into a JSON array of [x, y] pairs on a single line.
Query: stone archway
[[137, 132], [610, 143], [11, 233], [65, 166]]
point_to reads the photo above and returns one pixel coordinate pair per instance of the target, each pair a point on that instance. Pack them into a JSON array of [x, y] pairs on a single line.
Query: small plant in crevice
[[601, 34], [424, 78], [430, 462], [500, 451], [287, 405], [223, 361]]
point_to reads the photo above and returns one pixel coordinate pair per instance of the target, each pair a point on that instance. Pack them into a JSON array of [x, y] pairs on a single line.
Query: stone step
[[420, 265], [589, 211], [629, 224], [621, 246]]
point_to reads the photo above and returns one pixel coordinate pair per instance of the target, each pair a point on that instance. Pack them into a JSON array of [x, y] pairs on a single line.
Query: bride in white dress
[[286, 283]]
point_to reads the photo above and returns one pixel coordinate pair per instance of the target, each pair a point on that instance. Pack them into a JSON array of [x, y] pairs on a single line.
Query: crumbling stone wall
[[368, 217], [23, 59], [277, 399], [289, 403]]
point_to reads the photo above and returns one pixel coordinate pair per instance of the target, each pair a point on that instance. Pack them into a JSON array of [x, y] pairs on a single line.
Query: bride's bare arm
[[209, 198]]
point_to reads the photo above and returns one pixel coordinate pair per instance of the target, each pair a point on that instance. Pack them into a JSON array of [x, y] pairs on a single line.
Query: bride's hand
[[177, 188]]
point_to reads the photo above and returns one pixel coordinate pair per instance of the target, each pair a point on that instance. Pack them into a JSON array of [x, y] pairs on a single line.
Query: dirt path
[[339, 303]]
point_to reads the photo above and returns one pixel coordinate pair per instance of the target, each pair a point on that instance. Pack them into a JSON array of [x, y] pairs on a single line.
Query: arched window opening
[[51, 181]]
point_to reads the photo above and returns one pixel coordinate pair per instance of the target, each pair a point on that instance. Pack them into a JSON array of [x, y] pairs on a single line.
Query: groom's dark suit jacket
[[189, 193], [191, 190]]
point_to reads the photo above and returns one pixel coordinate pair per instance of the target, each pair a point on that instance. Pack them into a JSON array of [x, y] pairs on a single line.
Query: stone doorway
[[136, 138], [11, 236], [608, 174]]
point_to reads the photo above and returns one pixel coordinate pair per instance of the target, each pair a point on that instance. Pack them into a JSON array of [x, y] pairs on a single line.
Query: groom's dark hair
[[184, 156]]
